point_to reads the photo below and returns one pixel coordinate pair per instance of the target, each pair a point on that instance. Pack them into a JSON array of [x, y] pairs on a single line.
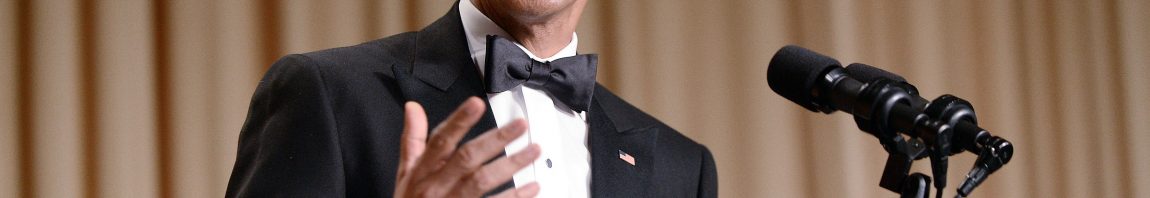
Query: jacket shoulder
[[377, 55]]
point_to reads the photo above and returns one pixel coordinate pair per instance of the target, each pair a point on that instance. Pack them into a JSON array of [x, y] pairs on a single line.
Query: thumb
[[414, 140]]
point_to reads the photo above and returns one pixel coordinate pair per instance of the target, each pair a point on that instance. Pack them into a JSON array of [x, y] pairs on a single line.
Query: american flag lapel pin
[[626, 157]]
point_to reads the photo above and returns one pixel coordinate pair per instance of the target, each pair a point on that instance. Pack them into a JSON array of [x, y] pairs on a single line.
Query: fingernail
[[471, 110], [477, 107]]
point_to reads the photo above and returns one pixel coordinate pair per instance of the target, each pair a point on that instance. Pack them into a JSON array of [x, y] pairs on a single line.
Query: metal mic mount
[[996, 152], [930, 127], [884, 105]]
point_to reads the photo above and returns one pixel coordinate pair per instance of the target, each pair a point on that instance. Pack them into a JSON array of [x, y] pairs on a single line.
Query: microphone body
[[820, 84], [884, 105], [993, 152], [967, 134]]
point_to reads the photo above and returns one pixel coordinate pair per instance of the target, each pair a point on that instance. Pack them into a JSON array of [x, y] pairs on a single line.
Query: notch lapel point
[[441, 54], [610, 175], [440, 59]]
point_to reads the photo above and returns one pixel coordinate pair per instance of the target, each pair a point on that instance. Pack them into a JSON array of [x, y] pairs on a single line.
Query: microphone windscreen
[[866, 73], [793, 72]]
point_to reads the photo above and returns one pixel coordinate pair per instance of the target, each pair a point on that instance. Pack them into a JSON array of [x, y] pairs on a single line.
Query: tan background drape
[[135, 98]]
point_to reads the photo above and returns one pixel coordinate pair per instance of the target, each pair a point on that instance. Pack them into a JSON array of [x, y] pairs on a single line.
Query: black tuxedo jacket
[[328, 123]]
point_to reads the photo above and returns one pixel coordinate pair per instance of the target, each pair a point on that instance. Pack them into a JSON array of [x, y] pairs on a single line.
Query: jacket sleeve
[[289, 145], [709, 179]]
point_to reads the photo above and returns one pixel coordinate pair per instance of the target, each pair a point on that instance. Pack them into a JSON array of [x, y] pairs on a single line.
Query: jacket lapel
[[610, 135], [440, 60]]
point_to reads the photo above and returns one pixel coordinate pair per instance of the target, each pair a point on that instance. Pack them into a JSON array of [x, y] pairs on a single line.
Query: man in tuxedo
[[353, 121]]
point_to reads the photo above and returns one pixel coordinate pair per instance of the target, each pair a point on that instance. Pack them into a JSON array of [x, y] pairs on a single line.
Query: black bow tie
[[570, 80]]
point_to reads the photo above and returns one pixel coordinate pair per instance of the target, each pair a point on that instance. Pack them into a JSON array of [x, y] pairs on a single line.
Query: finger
[[447, 134], [529, 190], [414, 138], [474, 154], [496, 173]]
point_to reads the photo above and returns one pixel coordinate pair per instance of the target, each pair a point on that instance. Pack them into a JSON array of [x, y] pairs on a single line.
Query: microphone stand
[[930, 131], [995, 153], [911, 128], [880, 101], [907, 126], [896, 174]]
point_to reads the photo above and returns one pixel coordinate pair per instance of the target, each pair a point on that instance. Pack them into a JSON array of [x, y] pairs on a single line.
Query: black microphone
[[865, 73], [885, 105], [794, 73], [938, 156], [820, 84], [968, 135], [997, 153]]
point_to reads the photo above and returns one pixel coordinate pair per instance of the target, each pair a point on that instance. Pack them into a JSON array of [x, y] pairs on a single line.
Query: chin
[[534, 9]]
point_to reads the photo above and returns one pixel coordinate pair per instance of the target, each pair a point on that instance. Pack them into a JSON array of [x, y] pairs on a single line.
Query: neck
[[543, 35], [543, 40]]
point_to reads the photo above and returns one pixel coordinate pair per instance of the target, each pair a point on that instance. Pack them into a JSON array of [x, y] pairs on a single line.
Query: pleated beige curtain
[[135, 98]]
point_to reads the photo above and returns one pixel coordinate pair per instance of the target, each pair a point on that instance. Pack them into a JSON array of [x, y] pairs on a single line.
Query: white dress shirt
[[564, 167]]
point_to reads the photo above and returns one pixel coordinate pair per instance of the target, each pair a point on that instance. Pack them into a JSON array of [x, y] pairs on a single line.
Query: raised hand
[[435, 167]]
